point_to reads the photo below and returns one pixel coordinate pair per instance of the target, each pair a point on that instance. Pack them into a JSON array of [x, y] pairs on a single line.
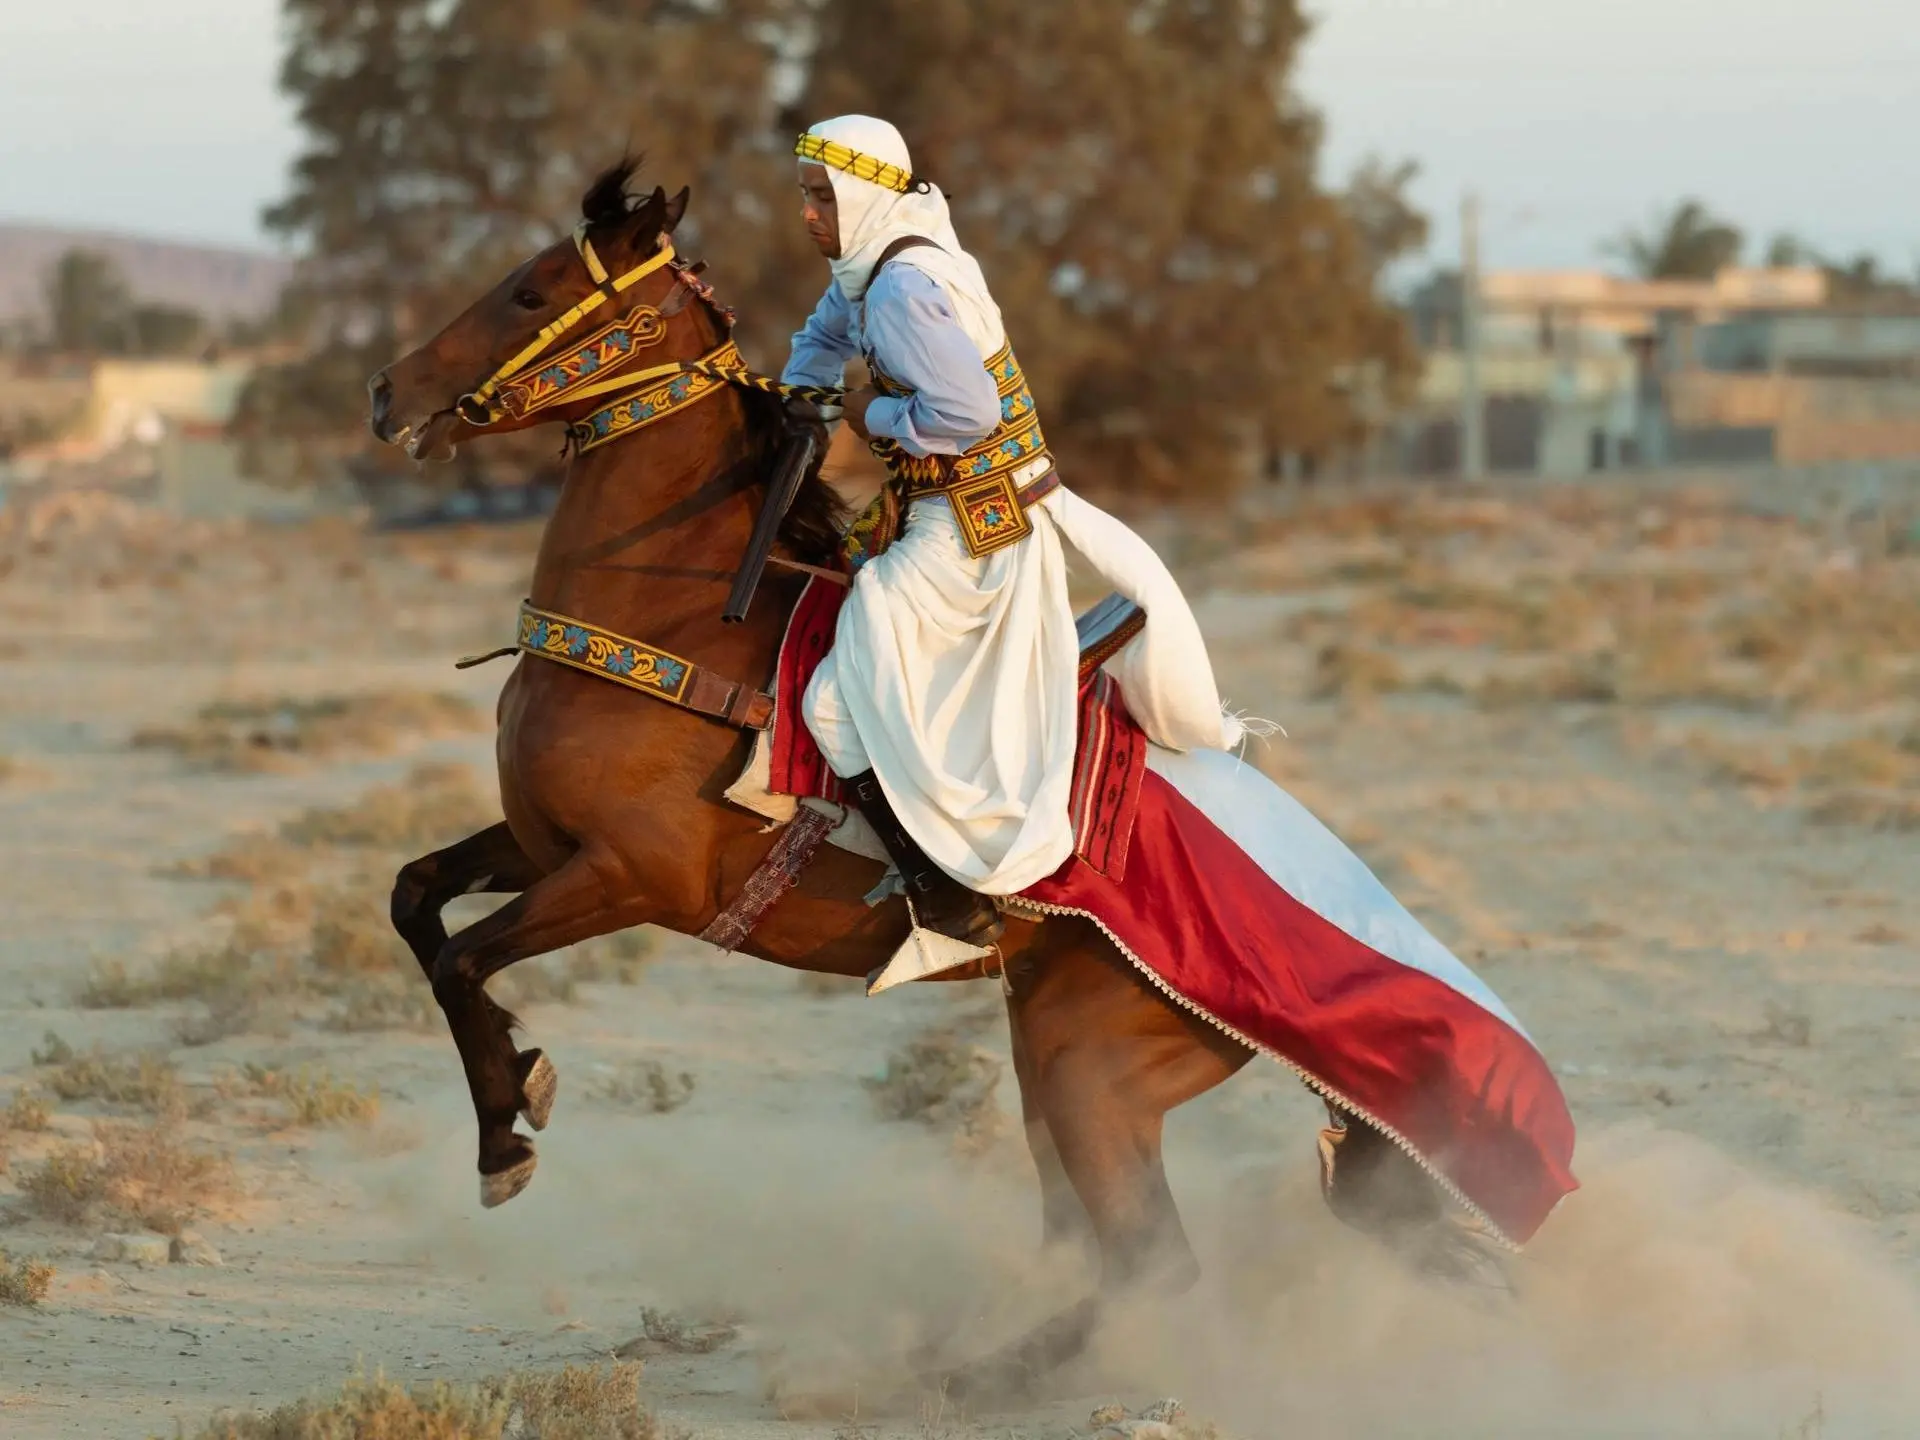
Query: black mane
[[608, 201], [818, 516]]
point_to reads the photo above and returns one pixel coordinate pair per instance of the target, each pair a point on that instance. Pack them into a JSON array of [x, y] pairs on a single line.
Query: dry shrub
[[679, 1335], [313, 1097], [397, 1002], [433, 806], [250, 859], [26, 1113], [142, 1175], [9, 768], [192, 973], [147, 1081], [23, 1282], [617, 959], [1346, 672], [584, 1403], [273, 734], [1869, 810], [645, 1085], [945, 1083]]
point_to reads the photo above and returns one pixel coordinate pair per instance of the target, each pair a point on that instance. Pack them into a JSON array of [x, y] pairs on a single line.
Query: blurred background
[[1242, 244], [1527, 398]]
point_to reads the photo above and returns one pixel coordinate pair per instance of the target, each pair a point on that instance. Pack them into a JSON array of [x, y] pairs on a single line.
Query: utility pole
[[1473, 412]]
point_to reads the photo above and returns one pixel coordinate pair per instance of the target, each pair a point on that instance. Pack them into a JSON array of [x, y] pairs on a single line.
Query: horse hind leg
[[576, 902], [490, 862], [1064, 1222], [1107, 1057]]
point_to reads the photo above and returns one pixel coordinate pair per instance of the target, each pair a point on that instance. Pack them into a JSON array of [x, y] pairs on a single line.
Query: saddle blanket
[[1110, 755], [1227, 895]]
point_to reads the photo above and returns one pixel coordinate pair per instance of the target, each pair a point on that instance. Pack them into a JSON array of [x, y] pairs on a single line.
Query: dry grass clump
[[26, 1113], [679, 1335], [1869, 810], [192, 973], [617, 959], [146, 1081], [1868, 781], [23, 1282], [277, 733], [143, 1175], [312, 1097], [576, 1403], [1348, 672], [434, 805], [644, 1085], [945, 1083], [250, 859]]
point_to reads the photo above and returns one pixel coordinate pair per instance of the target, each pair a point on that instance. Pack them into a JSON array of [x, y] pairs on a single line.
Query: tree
[[1687, 243], [1139, 185], [1134, 175], [88, 305], [447, 139]]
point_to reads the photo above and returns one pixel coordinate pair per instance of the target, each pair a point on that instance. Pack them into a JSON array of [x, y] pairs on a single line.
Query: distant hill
[[220, 283]]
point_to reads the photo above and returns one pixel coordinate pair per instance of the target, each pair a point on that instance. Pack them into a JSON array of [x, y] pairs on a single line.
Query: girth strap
[[640, 666]]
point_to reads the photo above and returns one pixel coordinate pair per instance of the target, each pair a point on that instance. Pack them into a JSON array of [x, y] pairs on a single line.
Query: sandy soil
[[1726, 983]]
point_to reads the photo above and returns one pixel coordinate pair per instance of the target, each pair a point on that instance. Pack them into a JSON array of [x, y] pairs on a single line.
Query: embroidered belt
[[991, 485], [640, 666]]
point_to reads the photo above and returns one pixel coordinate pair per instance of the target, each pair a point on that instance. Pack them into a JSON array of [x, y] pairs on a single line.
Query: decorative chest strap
[[640, 666]]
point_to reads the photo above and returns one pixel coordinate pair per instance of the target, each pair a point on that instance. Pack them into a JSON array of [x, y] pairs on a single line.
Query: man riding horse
[[948, 702]]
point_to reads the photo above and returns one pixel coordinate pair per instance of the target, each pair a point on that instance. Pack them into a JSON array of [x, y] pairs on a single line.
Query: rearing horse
[[613, 806]]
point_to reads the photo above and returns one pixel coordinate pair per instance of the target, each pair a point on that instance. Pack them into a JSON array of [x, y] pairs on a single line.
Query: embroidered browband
[[861, 167]]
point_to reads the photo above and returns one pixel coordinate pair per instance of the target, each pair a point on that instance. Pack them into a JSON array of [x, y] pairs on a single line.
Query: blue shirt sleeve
[[823, 346], [917, 340]]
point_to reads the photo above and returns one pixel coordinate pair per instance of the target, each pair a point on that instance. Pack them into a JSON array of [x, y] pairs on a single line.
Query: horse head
[[511, 358]]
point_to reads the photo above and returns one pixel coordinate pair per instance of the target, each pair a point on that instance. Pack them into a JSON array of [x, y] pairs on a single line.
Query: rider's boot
[[941, 902]]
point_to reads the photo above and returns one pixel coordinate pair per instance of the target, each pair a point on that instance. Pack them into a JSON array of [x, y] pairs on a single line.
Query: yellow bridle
[[482, 401], [643, 396]]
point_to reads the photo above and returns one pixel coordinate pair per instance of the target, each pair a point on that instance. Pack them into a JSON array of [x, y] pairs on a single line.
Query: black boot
[[941, 902]]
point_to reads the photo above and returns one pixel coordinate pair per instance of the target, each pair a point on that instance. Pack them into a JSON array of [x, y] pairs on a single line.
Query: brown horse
[[614, 815]]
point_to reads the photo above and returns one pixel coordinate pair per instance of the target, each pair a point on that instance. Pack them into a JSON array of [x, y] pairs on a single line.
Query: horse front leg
[[493, 863], [591, 894]]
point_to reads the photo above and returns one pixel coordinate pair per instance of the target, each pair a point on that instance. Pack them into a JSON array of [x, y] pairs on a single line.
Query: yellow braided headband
[[861, 167]]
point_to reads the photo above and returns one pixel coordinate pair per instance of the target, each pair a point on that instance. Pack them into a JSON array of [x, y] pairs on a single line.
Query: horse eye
[[529, 300]]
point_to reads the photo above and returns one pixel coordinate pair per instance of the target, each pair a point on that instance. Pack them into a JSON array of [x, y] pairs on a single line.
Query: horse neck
[[648, 530]]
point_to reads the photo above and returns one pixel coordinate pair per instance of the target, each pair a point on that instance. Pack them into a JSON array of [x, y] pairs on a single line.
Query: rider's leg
[[941, 902]]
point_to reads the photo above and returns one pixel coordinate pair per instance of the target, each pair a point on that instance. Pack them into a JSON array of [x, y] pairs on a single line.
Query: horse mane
[[818, 516]]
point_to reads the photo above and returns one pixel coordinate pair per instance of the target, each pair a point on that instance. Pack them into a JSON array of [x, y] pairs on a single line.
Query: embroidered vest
[[991, 485]]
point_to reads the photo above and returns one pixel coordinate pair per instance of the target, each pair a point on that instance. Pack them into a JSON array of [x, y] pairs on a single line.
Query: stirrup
[[923, 953]]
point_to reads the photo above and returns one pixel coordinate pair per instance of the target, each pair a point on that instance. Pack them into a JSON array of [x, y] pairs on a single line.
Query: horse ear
[[676, 208]]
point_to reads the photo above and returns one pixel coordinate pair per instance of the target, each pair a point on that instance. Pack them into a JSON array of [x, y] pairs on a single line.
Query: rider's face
[[819, 209]]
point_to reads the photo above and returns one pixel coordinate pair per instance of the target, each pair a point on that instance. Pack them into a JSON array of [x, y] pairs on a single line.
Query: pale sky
[[1572, 120]]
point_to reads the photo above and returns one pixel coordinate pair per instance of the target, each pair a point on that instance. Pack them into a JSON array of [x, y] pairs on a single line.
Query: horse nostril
[[380, 390]]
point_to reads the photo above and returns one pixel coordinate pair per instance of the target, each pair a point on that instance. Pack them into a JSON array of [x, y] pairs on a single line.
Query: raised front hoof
[[539, 1083], [502, 1185]]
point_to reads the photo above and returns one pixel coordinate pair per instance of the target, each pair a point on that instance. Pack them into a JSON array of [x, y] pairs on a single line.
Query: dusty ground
[[1652, 766]]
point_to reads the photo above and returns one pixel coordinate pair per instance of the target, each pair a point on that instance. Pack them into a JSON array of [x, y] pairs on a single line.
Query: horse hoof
[[537, 1089], [499, 1188]]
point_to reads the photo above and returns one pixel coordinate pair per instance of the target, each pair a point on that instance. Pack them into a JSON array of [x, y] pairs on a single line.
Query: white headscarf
[[872, 217]]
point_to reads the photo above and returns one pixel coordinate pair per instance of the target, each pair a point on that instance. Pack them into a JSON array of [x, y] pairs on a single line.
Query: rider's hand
[[854, 409]]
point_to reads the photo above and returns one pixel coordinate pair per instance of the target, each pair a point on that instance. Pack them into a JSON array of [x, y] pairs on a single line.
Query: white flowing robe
[[955, 679]]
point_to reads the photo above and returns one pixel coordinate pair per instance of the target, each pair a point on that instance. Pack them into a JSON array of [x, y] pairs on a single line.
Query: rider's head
[[854, 170]]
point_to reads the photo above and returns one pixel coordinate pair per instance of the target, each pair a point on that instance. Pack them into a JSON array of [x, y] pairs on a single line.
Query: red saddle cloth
[[1110, 756]]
